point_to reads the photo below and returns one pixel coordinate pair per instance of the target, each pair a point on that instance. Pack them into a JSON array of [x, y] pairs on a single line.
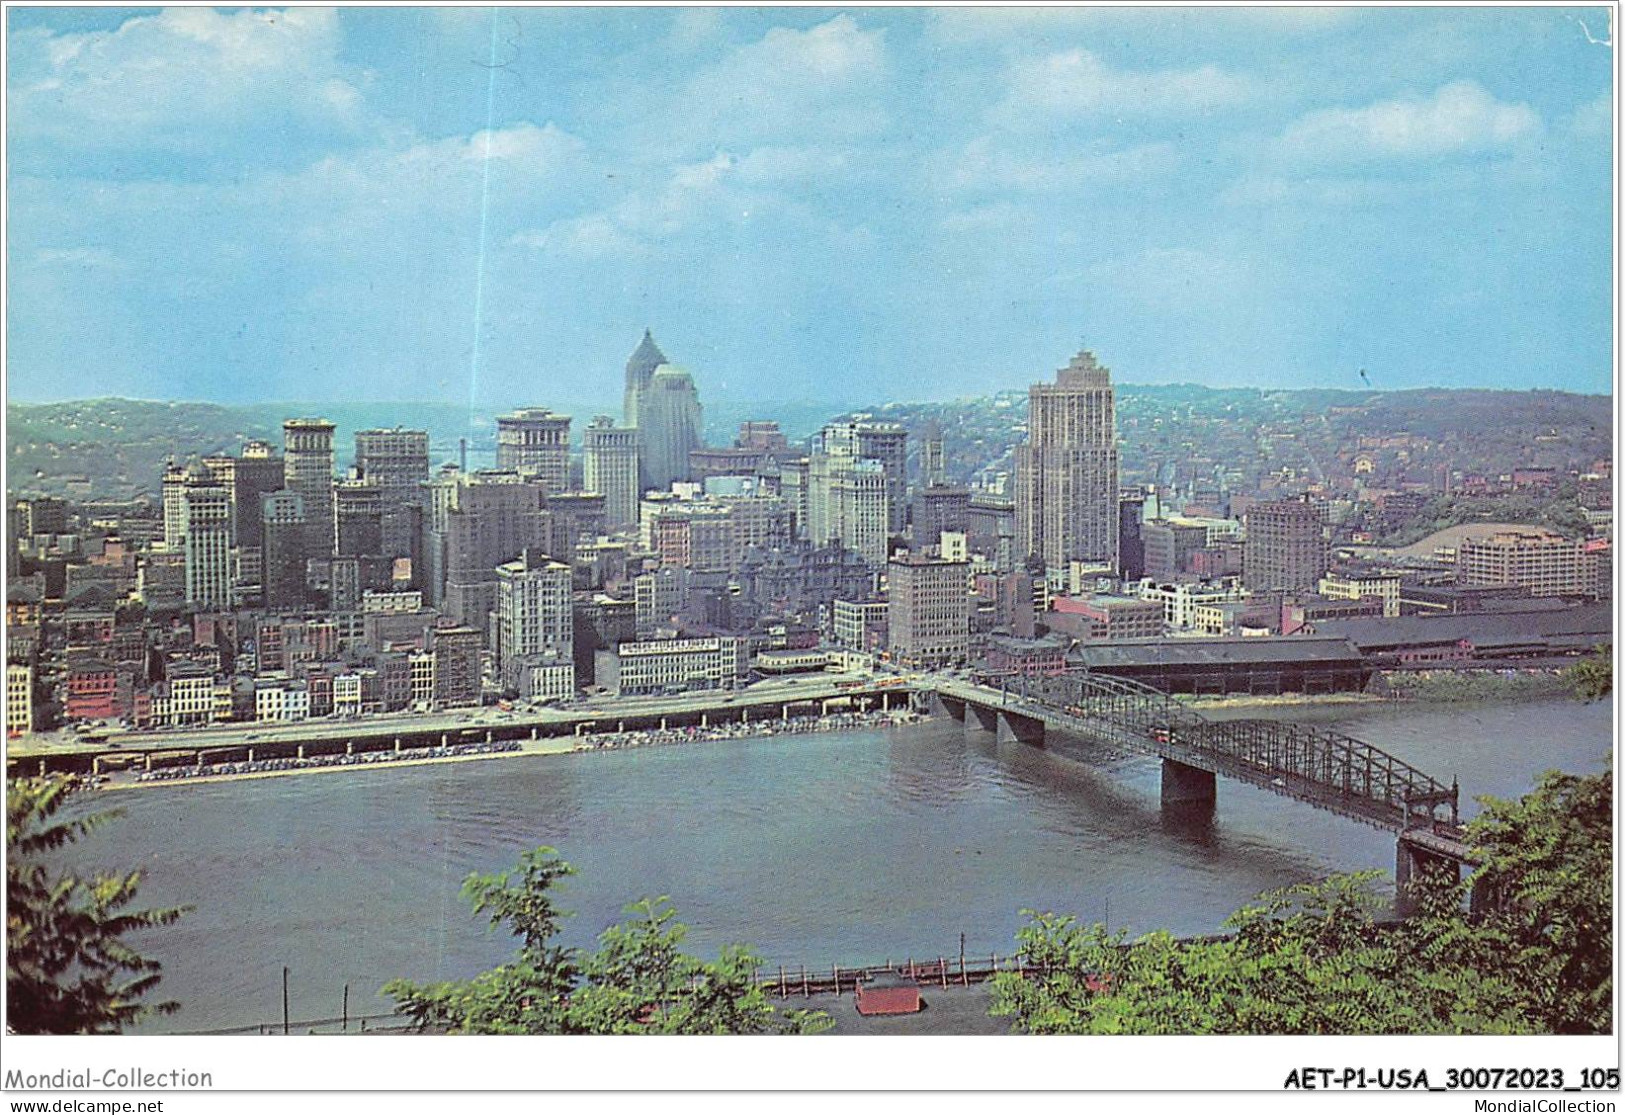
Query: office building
[[173, 488], [1066, 473], [928, 617], [473, 523], [1286, 546], [206, 528], [669, 427], [456, 667], [609, 466], [535, 443], [307, 464], [1543, 562], [640, 369], [397, 462], [19, 699], [1131, 560], [534, 647], [283, 549], [358, 511], [641, 669]]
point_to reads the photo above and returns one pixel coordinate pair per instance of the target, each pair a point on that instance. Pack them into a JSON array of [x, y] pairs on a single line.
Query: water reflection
[[817, 849]]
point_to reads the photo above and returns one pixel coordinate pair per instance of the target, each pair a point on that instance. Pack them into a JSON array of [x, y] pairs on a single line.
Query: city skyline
[[939, 201]]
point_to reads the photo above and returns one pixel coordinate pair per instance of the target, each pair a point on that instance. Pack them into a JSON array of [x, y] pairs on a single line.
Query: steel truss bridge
[[1325, 769]]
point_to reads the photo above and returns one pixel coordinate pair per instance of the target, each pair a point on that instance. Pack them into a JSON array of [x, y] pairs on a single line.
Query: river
[[837, 847]]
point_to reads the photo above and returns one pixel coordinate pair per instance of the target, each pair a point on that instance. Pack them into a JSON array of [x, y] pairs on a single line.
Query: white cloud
[[178, 80], [595, 236], [1268, 190], [1594, 120], [972, 25], [982, 165], [823, 81], [1077, 84], [1458, 118]]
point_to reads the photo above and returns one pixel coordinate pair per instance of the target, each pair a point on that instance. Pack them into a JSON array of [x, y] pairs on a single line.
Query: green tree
[[1546, 864], [1326, 958], [1592, 678], [68, 968], [637, 982]]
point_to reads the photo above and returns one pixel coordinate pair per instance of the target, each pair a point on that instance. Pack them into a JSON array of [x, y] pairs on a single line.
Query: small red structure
[[888, 993]]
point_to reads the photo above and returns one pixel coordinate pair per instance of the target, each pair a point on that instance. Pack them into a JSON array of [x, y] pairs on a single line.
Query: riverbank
[[1478, 685], [1408, 686], [595, 741]]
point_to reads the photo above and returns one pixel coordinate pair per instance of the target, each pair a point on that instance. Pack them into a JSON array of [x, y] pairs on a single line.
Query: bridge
[[1322, 768]]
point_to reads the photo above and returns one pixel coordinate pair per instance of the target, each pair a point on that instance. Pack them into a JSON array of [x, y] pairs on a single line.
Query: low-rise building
[[1106, 618], [1545, 563], [19, 699], [859, 624], [637, 669], [1359, 584]]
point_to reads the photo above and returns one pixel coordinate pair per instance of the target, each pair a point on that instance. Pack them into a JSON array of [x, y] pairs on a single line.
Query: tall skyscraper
[[397, 461], [640, 369], [284, 534], [853, 477], [1066, 473], [669, 425], [535, 650], [247, 477], [206, 513], [1286, 546], [174, 499], [473, 523], [358, 512], [609, 466], [307, 466], [933, 462], [535, 442]]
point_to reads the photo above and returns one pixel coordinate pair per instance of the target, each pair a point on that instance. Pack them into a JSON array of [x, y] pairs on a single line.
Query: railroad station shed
[[1250, 665]]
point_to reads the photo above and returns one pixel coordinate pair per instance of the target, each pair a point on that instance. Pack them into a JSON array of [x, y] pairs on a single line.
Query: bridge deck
[[1326, 769]]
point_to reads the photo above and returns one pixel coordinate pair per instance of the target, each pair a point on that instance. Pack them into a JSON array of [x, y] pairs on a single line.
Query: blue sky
[[462, 204]]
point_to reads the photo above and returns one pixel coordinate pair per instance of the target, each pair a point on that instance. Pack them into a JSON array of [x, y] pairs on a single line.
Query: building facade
[[535, 628], [535, 443], [1066, 473], [928, 613], [207, 529], [1545, 563], [609, 466], [307, 464], [669, 423], [640, 669], [1286, 546]]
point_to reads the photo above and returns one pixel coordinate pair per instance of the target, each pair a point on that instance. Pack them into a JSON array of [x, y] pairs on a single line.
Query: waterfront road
[[597, 713]]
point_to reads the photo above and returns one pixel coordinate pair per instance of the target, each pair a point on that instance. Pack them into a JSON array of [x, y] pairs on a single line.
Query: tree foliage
[[1326, 958], [1592, 678], [68, 967], [638, 981]]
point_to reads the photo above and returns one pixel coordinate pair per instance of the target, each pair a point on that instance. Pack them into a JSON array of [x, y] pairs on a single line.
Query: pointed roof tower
[[640, 367]]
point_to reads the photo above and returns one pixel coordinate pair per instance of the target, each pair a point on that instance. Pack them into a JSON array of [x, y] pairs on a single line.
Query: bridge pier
[[980, 718], [1182, 784], [950, 705], [1015, 728], [1410, 860]]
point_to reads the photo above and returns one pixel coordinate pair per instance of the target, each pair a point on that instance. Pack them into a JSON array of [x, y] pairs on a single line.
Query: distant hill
[[117, 447]]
